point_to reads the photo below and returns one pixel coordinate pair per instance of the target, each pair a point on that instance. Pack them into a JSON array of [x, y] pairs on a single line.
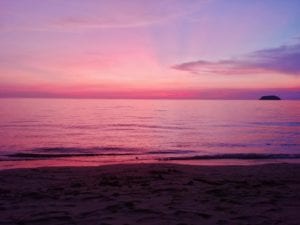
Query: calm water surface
[[38, 132]]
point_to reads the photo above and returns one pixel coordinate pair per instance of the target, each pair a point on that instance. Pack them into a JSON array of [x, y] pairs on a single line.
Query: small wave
[[241, 156], [227, 145], [149, 126], [62, 155], [60, 152], [24, 121], [170, 152], [289, 144], [83, 127], [92, 150], [29, 125], [285, 124]]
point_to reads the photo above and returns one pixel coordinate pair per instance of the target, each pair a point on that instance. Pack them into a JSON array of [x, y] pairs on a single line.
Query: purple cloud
[[284, 59]]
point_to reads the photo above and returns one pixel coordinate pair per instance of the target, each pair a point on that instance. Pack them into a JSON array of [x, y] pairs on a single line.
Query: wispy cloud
[[89, 14], [284, 60]]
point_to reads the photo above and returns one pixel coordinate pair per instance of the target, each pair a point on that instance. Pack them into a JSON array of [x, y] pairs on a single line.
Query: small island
[[270, 97]]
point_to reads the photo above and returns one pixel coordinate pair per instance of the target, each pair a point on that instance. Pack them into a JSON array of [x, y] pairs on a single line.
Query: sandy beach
[[151, 194]]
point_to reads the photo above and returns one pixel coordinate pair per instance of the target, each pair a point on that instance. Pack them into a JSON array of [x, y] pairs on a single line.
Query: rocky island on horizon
[[270, 97]]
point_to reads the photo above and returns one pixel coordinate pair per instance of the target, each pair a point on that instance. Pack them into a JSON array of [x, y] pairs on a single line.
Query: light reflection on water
[[138, 127]]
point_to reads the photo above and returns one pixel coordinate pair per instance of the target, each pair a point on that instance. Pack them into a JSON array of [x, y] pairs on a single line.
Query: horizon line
[[113, 98]]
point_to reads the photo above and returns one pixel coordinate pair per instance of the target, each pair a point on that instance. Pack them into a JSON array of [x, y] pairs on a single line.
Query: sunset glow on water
[[102, 131]]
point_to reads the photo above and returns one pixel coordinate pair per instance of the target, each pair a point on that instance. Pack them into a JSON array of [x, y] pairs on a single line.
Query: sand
[[152, 194]]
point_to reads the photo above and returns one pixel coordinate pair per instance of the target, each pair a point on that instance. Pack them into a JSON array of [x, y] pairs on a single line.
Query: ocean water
[[43, 132]]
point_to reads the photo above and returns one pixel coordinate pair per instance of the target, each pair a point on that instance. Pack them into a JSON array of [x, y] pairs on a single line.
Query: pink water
[[92, 132]]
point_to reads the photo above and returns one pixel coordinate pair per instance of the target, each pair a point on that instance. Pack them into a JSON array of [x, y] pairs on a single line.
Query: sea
[[92, 132]]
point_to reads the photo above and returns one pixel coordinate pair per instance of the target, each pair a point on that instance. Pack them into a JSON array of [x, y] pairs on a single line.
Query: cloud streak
[[283, 60], [101, 14]]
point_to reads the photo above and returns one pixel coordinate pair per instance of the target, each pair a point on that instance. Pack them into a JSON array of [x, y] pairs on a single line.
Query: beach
[[153, 193]]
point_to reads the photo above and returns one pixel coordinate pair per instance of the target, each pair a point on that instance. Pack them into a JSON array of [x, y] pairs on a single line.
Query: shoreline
[[152, 193], [29, 160]]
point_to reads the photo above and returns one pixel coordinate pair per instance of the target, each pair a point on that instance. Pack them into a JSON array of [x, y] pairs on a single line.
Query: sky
[[173, 49]]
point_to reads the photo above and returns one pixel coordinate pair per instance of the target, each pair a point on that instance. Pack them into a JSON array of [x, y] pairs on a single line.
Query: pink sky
[[149, 49]]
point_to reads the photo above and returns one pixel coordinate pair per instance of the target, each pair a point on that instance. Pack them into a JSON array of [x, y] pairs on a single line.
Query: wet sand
[[152, 194]]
